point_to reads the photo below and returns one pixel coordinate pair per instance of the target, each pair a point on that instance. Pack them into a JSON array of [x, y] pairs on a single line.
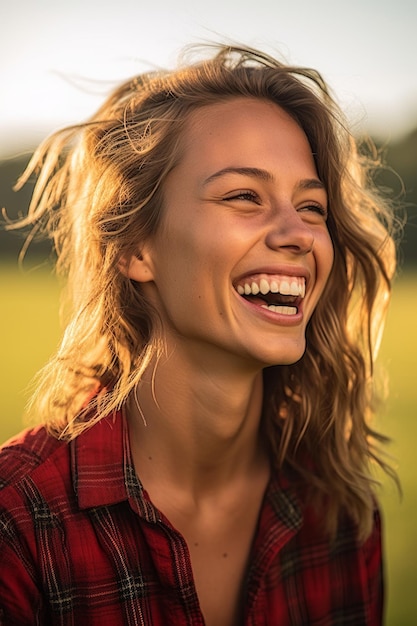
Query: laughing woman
[[205, 449]]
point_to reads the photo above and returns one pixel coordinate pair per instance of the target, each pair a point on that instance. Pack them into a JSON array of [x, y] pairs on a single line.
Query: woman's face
[[243, 252]]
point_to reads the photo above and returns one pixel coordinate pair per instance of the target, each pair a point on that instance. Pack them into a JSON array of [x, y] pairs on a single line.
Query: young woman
[[205, 447]]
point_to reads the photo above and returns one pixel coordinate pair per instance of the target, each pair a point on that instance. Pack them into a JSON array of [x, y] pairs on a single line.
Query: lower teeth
[[284, 310]]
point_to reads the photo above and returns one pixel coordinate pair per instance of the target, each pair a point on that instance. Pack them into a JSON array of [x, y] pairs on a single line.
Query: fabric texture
[[81, 543]]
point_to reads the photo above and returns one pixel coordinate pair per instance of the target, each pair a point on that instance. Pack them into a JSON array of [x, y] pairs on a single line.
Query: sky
[[59, 58]]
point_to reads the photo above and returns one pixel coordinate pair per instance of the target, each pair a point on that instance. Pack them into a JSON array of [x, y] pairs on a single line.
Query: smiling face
[[243, 252]]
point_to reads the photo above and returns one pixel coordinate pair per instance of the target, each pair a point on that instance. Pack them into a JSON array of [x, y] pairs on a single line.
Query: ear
[[137, 268]]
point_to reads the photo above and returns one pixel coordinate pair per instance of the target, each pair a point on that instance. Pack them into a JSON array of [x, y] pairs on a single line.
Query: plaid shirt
[[81, 543]]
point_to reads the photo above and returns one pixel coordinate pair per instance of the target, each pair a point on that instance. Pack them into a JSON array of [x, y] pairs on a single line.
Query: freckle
[[196, 543], [225, 555], [150, 458]]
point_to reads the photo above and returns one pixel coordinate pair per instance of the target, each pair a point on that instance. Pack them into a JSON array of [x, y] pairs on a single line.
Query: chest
[[220, 550], [219, 564], [113, 555]]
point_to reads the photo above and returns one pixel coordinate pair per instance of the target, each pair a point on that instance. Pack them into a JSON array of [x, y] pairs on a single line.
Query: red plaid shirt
[[81, 543]]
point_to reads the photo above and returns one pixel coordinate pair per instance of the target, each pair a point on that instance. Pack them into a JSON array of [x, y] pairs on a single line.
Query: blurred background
[[59, 60]]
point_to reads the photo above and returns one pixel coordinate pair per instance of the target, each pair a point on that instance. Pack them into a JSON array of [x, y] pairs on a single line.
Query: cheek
[[183, 266], [324, 255]]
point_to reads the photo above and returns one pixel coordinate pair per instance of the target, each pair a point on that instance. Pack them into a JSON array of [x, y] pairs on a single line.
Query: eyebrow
[[310, 183], [255, 172]]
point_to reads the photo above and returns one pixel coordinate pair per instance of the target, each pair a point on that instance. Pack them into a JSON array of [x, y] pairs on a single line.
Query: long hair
[[100, 193]]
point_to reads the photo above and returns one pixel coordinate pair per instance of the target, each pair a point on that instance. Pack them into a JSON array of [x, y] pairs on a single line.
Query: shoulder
[[34, 470], [27, 454]]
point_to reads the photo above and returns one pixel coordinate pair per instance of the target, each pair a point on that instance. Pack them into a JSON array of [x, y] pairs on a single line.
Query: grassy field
[[30, 332]]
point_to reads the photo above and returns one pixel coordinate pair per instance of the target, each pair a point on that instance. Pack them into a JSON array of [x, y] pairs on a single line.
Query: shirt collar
[[97, 458], [285, 501], [103, 475], [103, 470]]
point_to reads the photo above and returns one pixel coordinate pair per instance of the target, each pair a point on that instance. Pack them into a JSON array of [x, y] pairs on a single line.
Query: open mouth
[[279, 294]]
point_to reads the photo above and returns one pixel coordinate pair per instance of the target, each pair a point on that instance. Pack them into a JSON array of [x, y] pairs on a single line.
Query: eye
[[315, 208], [244, 194]]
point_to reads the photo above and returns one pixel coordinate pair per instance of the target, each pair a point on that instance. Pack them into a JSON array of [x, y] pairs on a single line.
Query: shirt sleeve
[[20, 599]]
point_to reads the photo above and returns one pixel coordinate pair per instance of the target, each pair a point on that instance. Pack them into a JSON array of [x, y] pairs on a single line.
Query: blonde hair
[[100, 193]]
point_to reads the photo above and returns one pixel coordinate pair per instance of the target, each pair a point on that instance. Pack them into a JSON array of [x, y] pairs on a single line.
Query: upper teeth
[[285, 285]]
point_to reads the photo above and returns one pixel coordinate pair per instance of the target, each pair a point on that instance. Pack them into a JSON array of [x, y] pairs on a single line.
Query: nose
[[288, 230]]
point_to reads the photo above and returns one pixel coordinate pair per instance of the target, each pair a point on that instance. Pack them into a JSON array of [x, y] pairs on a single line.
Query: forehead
[[243, 128], [239, 109]]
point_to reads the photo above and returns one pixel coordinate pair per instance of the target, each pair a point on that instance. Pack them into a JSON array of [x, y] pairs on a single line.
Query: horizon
[[60, 59]]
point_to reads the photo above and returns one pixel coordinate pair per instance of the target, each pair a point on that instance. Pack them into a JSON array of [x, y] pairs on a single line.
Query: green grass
[[30, 332], [399, 421]]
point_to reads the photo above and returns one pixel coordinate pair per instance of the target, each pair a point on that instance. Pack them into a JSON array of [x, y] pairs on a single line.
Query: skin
[[244, 203]]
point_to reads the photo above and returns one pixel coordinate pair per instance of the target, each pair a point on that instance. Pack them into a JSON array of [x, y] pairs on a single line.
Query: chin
[[284, 357]]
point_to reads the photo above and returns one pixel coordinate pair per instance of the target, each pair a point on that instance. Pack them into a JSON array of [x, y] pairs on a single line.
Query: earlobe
[[137, 268]]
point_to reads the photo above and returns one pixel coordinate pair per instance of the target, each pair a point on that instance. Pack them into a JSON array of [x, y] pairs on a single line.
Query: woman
[[205, 448]]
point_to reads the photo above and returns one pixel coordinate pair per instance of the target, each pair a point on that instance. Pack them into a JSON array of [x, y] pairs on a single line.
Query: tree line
[[398, 179]]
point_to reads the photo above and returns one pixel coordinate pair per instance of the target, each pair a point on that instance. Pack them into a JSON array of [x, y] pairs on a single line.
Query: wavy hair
[[100, 193]]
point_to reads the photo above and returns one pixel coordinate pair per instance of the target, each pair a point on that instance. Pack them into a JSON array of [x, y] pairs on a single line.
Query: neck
[[196, 423]]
